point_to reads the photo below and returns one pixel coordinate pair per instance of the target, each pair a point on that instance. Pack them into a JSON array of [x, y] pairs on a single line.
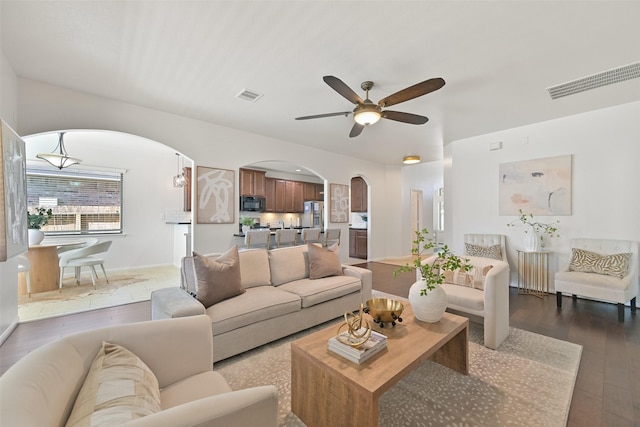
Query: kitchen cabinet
[[319, 192], [187, 190], [309, 191], [359, 199], [280, 189], [270, 195], [252, 183], [293, 197], [358, 243]]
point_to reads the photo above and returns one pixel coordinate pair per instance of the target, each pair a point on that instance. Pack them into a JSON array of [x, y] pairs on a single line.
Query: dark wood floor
[[607, 390]]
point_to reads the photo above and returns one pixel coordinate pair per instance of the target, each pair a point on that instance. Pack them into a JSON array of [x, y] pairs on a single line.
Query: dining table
[[44, 273]]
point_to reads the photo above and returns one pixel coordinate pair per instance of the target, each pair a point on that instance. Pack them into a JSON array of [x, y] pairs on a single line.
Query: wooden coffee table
[[328, 390]]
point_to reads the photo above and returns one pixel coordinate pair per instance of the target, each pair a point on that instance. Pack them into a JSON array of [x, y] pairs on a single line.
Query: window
[[82, 201]]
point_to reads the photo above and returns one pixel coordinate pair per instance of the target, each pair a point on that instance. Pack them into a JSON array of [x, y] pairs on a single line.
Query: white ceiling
[[192, 57]]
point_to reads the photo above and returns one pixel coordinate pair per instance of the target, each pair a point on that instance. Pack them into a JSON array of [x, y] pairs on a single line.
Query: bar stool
[[331, 235], [310, 235], [286, 237], [253, 238]]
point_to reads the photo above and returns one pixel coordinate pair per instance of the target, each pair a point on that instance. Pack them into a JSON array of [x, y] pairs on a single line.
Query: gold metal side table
[[533, 273]]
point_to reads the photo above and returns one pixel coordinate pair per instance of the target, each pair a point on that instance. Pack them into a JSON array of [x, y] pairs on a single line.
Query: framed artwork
[[339, 203], [215, 192], [539, 186], [13, 194]]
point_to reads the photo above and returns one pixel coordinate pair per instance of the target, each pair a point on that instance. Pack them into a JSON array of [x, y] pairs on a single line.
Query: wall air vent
[[615, 75], [249, 95]]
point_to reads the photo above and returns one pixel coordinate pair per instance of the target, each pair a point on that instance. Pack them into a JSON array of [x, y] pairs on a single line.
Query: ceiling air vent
[[615, 75], [249, 95]]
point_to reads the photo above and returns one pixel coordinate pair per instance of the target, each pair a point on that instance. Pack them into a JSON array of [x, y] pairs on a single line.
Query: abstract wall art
[[215, 196], [13, 194], [538, 186], [339, 203]]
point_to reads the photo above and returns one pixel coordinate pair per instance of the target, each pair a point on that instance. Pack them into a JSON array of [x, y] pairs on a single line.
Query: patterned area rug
[[528, 381]]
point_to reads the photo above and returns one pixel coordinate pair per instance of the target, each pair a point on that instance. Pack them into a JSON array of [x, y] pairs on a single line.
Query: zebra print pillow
[[483, 251], [615, 265]]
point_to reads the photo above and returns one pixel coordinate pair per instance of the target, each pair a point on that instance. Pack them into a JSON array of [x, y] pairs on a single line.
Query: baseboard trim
[[7, 332]]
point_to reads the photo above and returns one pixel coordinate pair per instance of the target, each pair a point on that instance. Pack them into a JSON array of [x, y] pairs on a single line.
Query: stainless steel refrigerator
[[313, 216]]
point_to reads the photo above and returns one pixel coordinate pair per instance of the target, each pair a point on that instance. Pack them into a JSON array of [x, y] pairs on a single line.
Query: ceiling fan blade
[[344, 90], [399, 116], [356, 130], [319, 116], [411, 92]]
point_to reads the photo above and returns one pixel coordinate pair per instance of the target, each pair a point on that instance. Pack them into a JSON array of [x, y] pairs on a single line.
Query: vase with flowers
[[536, 233], [427, 298], [246, 222]]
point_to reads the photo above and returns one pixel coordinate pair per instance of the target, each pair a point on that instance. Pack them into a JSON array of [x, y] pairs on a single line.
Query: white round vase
[[245, 228], [428, 308], [35, 236]]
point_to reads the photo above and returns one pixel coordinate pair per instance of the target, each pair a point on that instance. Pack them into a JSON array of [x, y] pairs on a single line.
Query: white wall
[[606, 179], [44, 107]]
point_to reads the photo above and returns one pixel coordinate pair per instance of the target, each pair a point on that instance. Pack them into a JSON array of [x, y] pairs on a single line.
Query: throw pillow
[[483, 251], [217, 279], [323, 262], [616, 265], [118, 388], [473, 278]]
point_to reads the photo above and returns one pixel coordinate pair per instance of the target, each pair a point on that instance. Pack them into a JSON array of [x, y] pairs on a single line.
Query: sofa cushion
[[254, 268], [483, 251], [217, 278], [464, 297], [119, 387], [288, 264], [318, 291], [616, 265], [591, 279], [196, 387], [255, 305], [323, 262]]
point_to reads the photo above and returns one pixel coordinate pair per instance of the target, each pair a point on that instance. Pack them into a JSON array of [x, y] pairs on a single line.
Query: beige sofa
[[279, 299], [41, 388], [490, 303]]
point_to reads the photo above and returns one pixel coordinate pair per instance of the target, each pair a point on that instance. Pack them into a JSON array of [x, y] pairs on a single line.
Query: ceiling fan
[[367, 113]]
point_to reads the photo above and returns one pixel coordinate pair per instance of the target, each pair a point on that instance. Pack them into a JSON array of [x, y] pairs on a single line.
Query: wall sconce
[[179, 180], [59, 157], [410, 160]]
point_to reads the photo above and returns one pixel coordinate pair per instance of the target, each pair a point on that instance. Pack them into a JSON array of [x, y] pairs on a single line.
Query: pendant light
[[59, 157], [179, 180]]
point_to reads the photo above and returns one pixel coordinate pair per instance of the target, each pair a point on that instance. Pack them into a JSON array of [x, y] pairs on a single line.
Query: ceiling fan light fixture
[[411, 160], [366, 118], [59, 157]]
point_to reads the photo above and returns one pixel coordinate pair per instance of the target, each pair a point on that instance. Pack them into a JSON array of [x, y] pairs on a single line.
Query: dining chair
[[310, 235], [66, 248], [24, 265], [288, 236], [253, 238], [331, 236], [85, 257]]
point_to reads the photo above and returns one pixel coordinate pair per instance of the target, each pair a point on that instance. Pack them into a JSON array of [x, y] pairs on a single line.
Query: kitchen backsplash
[[357, 221]]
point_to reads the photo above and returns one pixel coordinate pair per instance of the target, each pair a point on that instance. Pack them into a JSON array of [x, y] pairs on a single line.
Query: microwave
[[252, 204]]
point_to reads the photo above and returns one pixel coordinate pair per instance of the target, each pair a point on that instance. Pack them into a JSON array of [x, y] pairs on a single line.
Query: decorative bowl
[[384, 310]]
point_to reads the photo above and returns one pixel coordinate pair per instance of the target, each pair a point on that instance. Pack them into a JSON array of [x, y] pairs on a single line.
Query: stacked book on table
[[372, 346]]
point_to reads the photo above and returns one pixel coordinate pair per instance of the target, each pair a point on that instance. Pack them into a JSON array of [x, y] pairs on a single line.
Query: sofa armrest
[[169, 303], [496, 304], [365, 276], [257, 406]]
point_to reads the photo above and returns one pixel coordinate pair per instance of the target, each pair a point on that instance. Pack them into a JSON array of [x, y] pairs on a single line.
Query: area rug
[[528, 381]]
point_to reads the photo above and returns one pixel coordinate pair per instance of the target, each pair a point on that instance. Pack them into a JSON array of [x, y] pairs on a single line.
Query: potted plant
[[246, 222], [538, 232], [35, 221], [426, 296]]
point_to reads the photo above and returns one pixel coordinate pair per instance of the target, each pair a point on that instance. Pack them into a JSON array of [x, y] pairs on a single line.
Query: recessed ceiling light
[[298, 170], [410, 160]]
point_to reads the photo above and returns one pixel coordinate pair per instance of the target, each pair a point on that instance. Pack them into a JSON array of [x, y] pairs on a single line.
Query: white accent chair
[[257, 238], [84, 257], [487, 240], [287, 236], [310, 235], [331, 236], [41, 388], [600, 286]]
